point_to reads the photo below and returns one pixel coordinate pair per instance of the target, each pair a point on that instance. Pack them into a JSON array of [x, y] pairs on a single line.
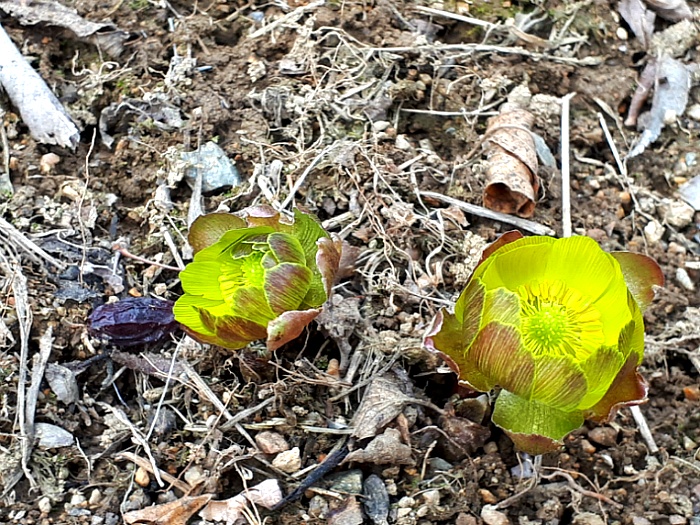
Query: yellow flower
[[557, 324], [259, 276]]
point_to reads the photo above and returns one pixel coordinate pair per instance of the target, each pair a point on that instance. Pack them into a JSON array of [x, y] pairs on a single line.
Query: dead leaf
[[673, 10], [266, 494], [511, 162], [382, 402], [55, 14], [639, 18], [384, 450], [174, 513], [671, 87]]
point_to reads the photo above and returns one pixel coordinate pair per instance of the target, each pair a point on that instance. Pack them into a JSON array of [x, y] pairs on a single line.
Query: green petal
[[452, 334], [503, 306], [233, 332], [208, 229], [641, 275], [202, 278], [186, 311], [286, 285], [628, 388], [228, 243], [559, 383], [288, 326], [286, 248], [528, 421], [307, 231], [600, 370], [251, 303], [614, 309], [582, 264], [520, 262], [495, 358]]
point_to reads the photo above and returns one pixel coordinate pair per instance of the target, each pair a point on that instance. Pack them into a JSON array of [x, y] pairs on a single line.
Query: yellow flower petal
[[202, 279]]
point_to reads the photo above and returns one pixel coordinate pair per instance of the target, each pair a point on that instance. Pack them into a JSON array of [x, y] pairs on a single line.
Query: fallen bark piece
[[671, 91], [104, 35], [511, 162], [47, 120], [176, 512]]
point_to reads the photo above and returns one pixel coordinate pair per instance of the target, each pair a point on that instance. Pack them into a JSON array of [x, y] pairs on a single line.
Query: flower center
[[558, 321]]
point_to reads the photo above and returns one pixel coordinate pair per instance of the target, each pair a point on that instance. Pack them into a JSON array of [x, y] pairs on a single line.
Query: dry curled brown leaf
[[511, 162]]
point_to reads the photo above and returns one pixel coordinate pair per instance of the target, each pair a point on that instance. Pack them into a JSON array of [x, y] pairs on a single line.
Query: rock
[[587, 447], [653, 232], [318, 507], [684, 279], [195, 475], [349, 482], [376, 500], [638, 520], [678, 214], [271, 442], [402, 143], [218, 171], [45, 505], [487, 496], [690, 192], [587, 518], [384, 449], [349, 513], [606, 436], [491, 516], [47, 162], [465, 519], [675, 519], [437, 465], [95, 497], [142, 478], [52, 436], [288, 461]]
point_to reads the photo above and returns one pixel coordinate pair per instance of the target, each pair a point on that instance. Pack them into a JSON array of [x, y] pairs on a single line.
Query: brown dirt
[[366, 191]]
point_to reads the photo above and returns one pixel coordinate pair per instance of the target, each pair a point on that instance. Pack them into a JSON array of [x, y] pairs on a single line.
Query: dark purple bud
[[133, 321]]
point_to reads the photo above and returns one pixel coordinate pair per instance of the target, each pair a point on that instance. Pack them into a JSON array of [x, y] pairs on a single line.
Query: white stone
[[678, 214], [653, 232], [45, 505], [684, 279], [402, 143], [288, 461], [621, 33]]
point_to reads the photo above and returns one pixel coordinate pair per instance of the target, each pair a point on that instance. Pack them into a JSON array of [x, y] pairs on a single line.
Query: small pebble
[[288, 461], [437, 465], [380, 125], [491, 448], [606, 436], [678, 214], [349, 482], [653, 232], [271, 442], [194, 475], [587, 518], [465, 519], [407, 502], [402, 143], [692, 392], [689, 444], [431, 497], [350, 513], [78, 500], [95, 497], [318, 507], [376, 500], [587, 447], [47, 162], [693, 112], [675, 519], [492, 516], [639, 520], [142, 478], [45, 505], [684, 279], [621, 33], [487, 496]]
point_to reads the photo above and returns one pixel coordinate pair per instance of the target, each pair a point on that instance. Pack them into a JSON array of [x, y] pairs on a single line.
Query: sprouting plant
[[255, 276], [557, 325]]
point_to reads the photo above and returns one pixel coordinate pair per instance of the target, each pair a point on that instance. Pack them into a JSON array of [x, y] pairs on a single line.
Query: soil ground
[[359, 100]]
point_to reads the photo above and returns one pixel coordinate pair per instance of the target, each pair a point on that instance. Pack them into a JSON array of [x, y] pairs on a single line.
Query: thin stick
[[289, 17], [622, 168], [644, 429], [523, 224], [454, 16], [12, 236], [565, 167], [302, 178], [182, 486]]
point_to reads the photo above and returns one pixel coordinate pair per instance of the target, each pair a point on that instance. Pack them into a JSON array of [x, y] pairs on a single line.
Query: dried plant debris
[[176, 512], [105, 35], [511, 162], [266, 494], [383, 401], [672, 82], [639, 18], [673, 10]]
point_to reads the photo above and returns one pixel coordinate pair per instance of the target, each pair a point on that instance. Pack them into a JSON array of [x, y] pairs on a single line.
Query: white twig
[[621, 166], [454, 16], [41, 111], [565, 167], [309, 169], [523, 224], [288, 18], [644, 429]]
